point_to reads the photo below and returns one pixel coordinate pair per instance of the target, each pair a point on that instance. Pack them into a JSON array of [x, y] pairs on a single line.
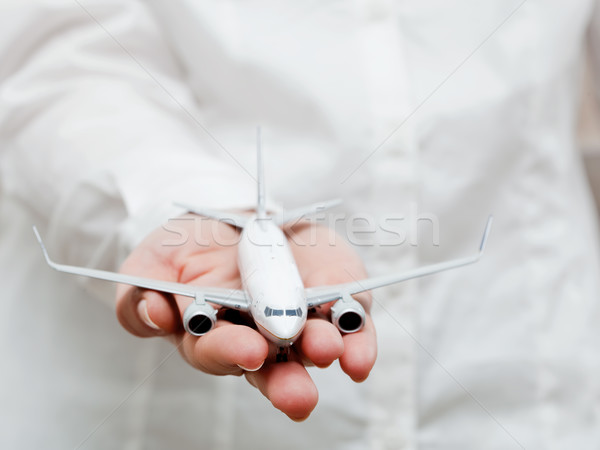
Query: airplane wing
[[323, 294], [237, 220], [229, 298]]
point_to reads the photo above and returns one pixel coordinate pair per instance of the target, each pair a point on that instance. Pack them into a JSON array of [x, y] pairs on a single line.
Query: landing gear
[[282, 354]]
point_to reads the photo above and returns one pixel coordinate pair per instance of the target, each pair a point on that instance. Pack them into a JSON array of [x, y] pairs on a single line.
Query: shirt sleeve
[[100, 132]]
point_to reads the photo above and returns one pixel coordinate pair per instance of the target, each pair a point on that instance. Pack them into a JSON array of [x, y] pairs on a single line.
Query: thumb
[[146, 313]]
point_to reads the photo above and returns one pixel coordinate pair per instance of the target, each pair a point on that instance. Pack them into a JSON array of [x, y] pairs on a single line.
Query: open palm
[[203, 252]]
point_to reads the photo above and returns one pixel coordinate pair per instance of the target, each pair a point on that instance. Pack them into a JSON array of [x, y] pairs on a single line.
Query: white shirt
[[422, 115]]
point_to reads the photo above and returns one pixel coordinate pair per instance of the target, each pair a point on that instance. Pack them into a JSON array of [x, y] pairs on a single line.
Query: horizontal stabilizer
[[237, 220], [304, 211]]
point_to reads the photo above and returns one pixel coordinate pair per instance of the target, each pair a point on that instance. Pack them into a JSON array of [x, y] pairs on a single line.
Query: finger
[[360, 352], [144, 312], [320, 342], [288, 387], [226, 350], [133, 312], [163, 311]]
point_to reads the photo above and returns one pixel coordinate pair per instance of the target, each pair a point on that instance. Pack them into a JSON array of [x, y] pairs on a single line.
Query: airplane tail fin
[[261, 210], [239, 220]]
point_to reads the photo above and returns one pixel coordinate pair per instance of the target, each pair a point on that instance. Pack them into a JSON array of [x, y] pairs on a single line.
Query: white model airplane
[[273, 293]]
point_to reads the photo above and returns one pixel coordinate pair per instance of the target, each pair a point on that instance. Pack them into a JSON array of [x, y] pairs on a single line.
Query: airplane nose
[[287, 329]]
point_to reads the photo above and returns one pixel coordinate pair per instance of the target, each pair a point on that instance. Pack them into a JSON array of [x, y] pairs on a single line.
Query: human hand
[[234, 348]]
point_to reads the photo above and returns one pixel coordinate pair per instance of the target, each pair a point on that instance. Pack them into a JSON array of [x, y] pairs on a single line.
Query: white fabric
[[111, 109]]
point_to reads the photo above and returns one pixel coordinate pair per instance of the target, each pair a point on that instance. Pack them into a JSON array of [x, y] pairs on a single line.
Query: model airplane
[[273, 293]]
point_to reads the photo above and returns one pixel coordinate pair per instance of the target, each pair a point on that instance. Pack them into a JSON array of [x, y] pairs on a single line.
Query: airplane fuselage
[[271, 280]]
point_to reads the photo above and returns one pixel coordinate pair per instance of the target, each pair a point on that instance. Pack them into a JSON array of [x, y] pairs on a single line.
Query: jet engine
[[348, 315], [199, 318]]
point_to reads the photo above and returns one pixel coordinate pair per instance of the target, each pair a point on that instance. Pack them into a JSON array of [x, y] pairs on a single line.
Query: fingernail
[[143, 312], [250, 370]]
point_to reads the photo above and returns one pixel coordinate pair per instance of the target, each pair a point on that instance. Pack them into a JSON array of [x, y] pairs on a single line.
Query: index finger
[[228, 349]]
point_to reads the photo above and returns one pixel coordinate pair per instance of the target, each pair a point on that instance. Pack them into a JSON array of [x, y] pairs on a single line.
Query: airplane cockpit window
[[273, 312], [279, 312]]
